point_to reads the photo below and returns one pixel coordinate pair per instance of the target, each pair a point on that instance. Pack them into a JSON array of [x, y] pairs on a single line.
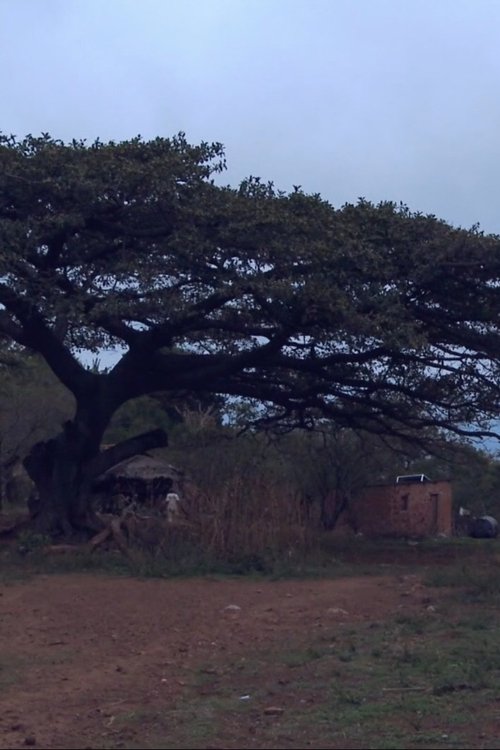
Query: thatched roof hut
[[143, 480]]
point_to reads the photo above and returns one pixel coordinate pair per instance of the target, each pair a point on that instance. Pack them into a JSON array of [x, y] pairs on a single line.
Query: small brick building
[[415, 509]]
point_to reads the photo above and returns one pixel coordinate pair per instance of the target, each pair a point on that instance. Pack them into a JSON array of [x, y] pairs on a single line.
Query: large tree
[[378, 318]]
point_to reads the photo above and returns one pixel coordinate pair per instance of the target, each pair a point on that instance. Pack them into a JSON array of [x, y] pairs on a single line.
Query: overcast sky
[[386, 99]]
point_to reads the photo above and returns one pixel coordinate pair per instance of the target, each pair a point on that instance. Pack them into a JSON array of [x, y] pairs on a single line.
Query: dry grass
[[256, 519]]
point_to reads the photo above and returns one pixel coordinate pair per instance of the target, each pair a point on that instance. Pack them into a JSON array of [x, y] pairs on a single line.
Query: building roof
[[143, 467]]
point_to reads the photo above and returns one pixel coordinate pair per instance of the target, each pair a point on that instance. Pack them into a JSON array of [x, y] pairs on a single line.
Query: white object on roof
[[412, 478]]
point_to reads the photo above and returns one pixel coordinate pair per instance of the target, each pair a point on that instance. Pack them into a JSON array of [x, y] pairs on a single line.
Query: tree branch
[[128, 448], [35, 334]]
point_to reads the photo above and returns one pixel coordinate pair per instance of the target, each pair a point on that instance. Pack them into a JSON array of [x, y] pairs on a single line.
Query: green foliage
[[134, 417], [477, 483], [361, 312], [373, 317]]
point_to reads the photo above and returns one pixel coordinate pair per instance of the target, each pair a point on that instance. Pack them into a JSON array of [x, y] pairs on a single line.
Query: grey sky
[[387, 99]]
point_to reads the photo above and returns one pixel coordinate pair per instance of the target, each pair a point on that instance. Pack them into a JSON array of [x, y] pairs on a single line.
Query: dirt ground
[[77, 651]]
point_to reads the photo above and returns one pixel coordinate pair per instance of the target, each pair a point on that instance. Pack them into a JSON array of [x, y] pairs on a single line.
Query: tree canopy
[[371, 315]]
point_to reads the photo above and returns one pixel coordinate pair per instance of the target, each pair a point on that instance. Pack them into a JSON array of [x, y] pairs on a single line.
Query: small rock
[[336, 611], [431, 608], [232, 608], [30, 740], [274, 711]]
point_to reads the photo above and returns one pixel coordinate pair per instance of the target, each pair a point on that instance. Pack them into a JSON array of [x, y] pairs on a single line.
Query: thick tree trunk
[[63, 470], [61, 506]]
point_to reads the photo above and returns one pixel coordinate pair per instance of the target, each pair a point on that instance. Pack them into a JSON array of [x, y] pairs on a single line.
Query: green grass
[[146, 564], [330, 559], [474, 581], [417, 681], [412, 682], [472, 566]]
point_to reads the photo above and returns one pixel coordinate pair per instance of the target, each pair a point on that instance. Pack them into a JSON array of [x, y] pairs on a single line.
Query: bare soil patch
[[90, 661]]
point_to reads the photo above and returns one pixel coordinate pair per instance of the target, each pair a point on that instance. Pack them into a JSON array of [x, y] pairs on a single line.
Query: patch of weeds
[[16, 567], [411, 658], [449, 576], [136, 714], [397, 677], [85, 562], [197, 721], [477, 621], [452, 687], [361, 710], [412, 624], [149, 724], [188, 560], [30, 541], [252, 563], [437, 740], [10, 670], [295, 659], [475, 582], [13, 570], [342, 695], [345, 656], [387, 743]]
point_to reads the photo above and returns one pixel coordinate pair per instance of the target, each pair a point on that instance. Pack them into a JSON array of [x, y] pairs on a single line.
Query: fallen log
[[98, 539]]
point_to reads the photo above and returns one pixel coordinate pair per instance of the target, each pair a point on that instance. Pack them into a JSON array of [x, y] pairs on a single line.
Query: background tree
[[331, 463], [33, 406], [374, 317]]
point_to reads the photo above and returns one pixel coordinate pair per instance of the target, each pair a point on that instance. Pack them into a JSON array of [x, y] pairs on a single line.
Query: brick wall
[[420, 509]]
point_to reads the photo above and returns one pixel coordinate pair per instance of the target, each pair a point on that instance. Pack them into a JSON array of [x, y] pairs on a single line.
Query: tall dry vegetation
[[243, 519], [246, 527]]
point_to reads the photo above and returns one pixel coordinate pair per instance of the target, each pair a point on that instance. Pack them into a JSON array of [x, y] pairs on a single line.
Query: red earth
[[80, 652]]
